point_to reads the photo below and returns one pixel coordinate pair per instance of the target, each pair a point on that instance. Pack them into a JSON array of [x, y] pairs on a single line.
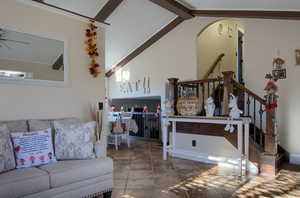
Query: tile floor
[[140, 172]]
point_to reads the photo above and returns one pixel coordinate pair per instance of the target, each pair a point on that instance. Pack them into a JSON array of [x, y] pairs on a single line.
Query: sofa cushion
[[36, 125], [33, 148], [74, 141], [71, 171], [6, 149], [67, 121], [16, 126], [21, 182]]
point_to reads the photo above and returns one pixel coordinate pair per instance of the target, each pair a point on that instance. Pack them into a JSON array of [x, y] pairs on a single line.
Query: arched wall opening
[[221, 37]]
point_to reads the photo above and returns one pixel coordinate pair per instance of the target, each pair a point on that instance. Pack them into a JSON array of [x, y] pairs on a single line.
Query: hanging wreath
[[92, 50]]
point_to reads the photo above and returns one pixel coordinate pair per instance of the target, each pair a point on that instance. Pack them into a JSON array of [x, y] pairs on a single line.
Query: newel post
[[172, 93], [271, 134], [269, 160], [228, 89]]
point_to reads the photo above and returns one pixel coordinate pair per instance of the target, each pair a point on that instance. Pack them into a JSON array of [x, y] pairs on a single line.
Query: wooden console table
[[242, 130]]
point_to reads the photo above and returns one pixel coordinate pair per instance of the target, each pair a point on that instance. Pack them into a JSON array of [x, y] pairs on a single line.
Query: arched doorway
[[220, 48]]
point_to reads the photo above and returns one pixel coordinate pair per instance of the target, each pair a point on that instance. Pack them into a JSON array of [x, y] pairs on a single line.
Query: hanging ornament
[[91, 49], [271, 92]]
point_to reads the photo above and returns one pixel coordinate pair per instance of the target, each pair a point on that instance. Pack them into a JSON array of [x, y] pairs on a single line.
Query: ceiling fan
[[4, 40]]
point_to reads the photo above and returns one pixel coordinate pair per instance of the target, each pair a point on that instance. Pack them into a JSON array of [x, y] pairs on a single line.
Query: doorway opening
[[219, 49]]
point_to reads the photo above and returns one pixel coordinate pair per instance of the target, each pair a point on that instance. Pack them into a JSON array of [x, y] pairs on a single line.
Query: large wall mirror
[[32, 58]]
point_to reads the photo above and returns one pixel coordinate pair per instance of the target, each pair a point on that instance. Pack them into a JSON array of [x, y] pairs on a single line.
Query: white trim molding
[[295, 158]]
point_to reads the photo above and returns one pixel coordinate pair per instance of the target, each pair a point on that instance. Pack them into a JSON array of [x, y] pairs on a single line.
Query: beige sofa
[[64, 179]]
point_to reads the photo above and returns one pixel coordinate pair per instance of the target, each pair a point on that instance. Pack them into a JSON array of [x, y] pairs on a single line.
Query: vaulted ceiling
[[134, 25], [278, 5]]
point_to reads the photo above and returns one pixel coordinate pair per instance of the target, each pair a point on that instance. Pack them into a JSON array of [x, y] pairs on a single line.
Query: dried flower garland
[[92, 50]]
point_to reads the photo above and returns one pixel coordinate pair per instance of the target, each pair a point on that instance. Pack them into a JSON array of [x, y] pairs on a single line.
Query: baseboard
[[295, 158]]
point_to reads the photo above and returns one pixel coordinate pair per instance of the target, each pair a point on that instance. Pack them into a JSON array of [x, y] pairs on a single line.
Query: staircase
[[265, 153]]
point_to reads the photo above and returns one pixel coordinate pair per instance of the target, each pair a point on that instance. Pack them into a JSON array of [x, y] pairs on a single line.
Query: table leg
[[116, 142], [165, 139], [128, 141], [174, 135], [247, 145], [240, 148]]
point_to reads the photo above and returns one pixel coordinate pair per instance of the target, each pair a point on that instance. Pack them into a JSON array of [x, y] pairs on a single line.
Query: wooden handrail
[[213, 66], [200, 81], [248, 91]]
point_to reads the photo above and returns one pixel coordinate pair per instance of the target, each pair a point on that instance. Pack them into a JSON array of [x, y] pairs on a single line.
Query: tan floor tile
[[121, 174], [140, 174], [162, 193], [141, 166], [146, 183], [120, 183], [138, 193]]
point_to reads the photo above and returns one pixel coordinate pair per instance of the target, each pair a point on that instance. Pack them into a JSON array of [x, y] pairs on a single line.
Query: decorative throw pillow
[[6, 149], [33, 148], [74, 141]]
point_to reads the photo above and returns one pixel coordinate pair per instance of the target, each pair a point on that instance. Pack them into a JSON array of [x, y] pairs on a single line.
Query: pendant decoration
[[91, 49]]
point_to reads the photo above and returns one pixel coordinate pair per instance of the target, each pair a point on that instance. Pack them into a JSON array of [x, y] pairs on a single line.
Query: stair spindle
[[254, 119], [260, 124]]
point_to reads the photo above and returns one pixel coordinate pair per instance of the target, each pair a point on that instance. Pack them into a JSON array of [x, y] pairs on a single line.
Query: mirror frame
[[7, 80]]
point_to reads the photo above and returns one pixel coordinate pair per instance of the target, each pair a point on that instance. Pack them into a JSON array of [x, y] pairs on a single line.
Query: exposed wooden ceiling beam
[[145, 45], [175, 7], [248, 14], [107, 9], [58, 63], [69, 11]]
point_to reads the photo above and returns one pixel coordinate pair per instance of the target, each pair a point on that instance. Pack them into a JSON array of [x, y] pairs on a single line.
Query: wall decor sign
[[297, 51], [279, 70], [135, 86], [188, 106]]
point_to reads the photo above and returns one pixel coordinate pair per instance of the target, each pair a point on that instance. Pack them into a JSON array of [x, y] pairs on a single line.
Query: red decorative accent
[[17, 148], [50, 155], [271, 106], [22, 161], [92, 49], [32, 158], [42, 158]]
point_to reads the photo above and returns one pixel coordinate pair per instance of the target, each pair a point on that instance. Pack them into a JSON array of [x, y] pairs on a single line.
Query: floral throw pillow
[[6, 150], [33, 148], [74, 141]]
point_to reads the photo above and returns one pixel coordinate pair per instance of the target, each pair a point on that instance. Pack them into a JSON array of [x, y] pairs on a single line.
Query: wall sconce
[[297, 52], [125, 75], [122, 76], [119, 75]]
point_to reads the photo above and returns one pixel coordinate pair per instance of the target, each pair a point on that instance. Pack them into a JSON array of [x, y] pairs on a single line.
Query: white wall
[[26, 101], [263, 39], [175, 56]]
